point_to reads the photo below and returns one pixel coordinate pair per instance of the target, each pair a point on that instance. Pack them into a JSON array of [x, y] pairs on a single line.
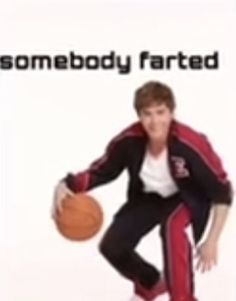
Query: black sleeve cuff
[[70, 182]]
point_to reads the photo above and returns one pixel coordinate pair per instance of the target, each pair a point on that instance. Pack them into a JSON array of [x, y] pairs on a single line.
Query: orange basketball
[[81, 217]]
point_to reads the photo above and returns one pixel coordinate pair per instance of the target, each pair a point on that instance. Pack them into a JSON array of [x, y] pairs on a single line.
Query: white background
[[53, 122]]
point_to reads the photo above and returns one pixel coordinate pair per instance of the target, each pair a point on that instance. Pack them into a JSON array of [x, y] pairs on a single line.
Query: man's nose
[[154, 120]]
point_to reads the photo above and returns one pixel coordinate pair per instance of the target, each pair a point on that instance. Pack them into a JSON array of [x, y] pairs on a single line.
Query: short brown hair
[[153, 92]]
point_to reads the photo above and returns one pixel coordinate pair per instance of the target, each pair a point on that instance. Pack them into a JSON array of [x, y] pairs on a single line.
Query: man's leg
[[177, 253], [122, 237]]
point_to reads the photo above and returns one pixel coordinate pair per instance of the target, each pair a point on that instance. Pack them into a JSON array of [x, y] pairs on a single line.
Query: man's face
[[156, 120]]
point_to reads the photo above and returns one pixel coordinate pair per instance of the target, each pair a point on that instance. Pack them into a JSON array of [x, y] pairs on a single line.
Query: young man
[[175, 180]]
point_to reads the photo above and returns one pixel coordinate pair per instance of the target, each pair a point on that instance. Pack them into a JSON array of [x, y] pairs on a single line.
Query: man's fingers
[[204, 265], [60, 199], [195, 254], [208, 266], [53, 212], [198, 265], [69, 192], [60, 193]]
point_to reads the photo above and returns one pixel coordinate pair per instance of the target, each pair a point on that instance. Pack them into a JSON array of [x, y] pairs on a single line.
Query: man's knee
[[109, 248], [105, 248], [114, 251]]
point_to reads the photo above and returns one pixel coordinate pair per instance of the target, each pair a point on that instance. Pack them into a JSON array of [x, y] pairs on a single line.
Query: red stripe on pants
[[178, 255]]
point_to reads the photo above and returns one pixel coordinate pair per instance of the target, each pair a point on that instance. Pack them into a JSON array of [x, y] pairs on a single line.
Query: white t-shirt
[[156, 176]]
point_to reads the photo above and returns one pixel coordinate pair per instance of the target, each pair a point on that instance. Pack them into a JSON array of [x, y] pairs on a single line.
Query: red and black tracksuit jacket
[[195, 167]]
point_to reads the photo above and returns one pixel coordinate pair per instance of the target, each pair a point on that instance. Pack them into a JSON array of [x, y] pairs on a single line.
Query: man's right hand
[[60, 192]]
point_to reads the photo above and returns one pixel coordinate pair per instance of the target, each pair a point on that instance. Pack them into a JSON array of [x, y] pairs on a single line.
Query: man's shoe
[[150, 294]]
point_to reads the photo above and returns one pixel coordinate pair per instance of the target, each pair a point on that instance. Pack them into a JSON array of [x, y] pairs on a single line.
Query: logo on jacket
[[180, 169]]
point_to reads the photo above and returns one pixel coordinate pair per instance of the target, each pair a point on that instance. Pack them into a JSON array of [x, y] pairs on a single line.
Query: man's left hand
[[207, 255]]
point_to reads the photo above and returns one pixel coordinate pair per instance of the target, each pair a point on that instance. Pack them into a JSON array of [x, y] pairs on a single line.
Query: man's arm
[[103, 170], [208, 171], [219, 217]]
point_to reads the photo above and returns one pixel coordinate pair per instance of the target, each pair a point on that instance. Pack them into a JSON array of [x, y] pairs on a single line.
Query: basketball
[[81, 217]]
